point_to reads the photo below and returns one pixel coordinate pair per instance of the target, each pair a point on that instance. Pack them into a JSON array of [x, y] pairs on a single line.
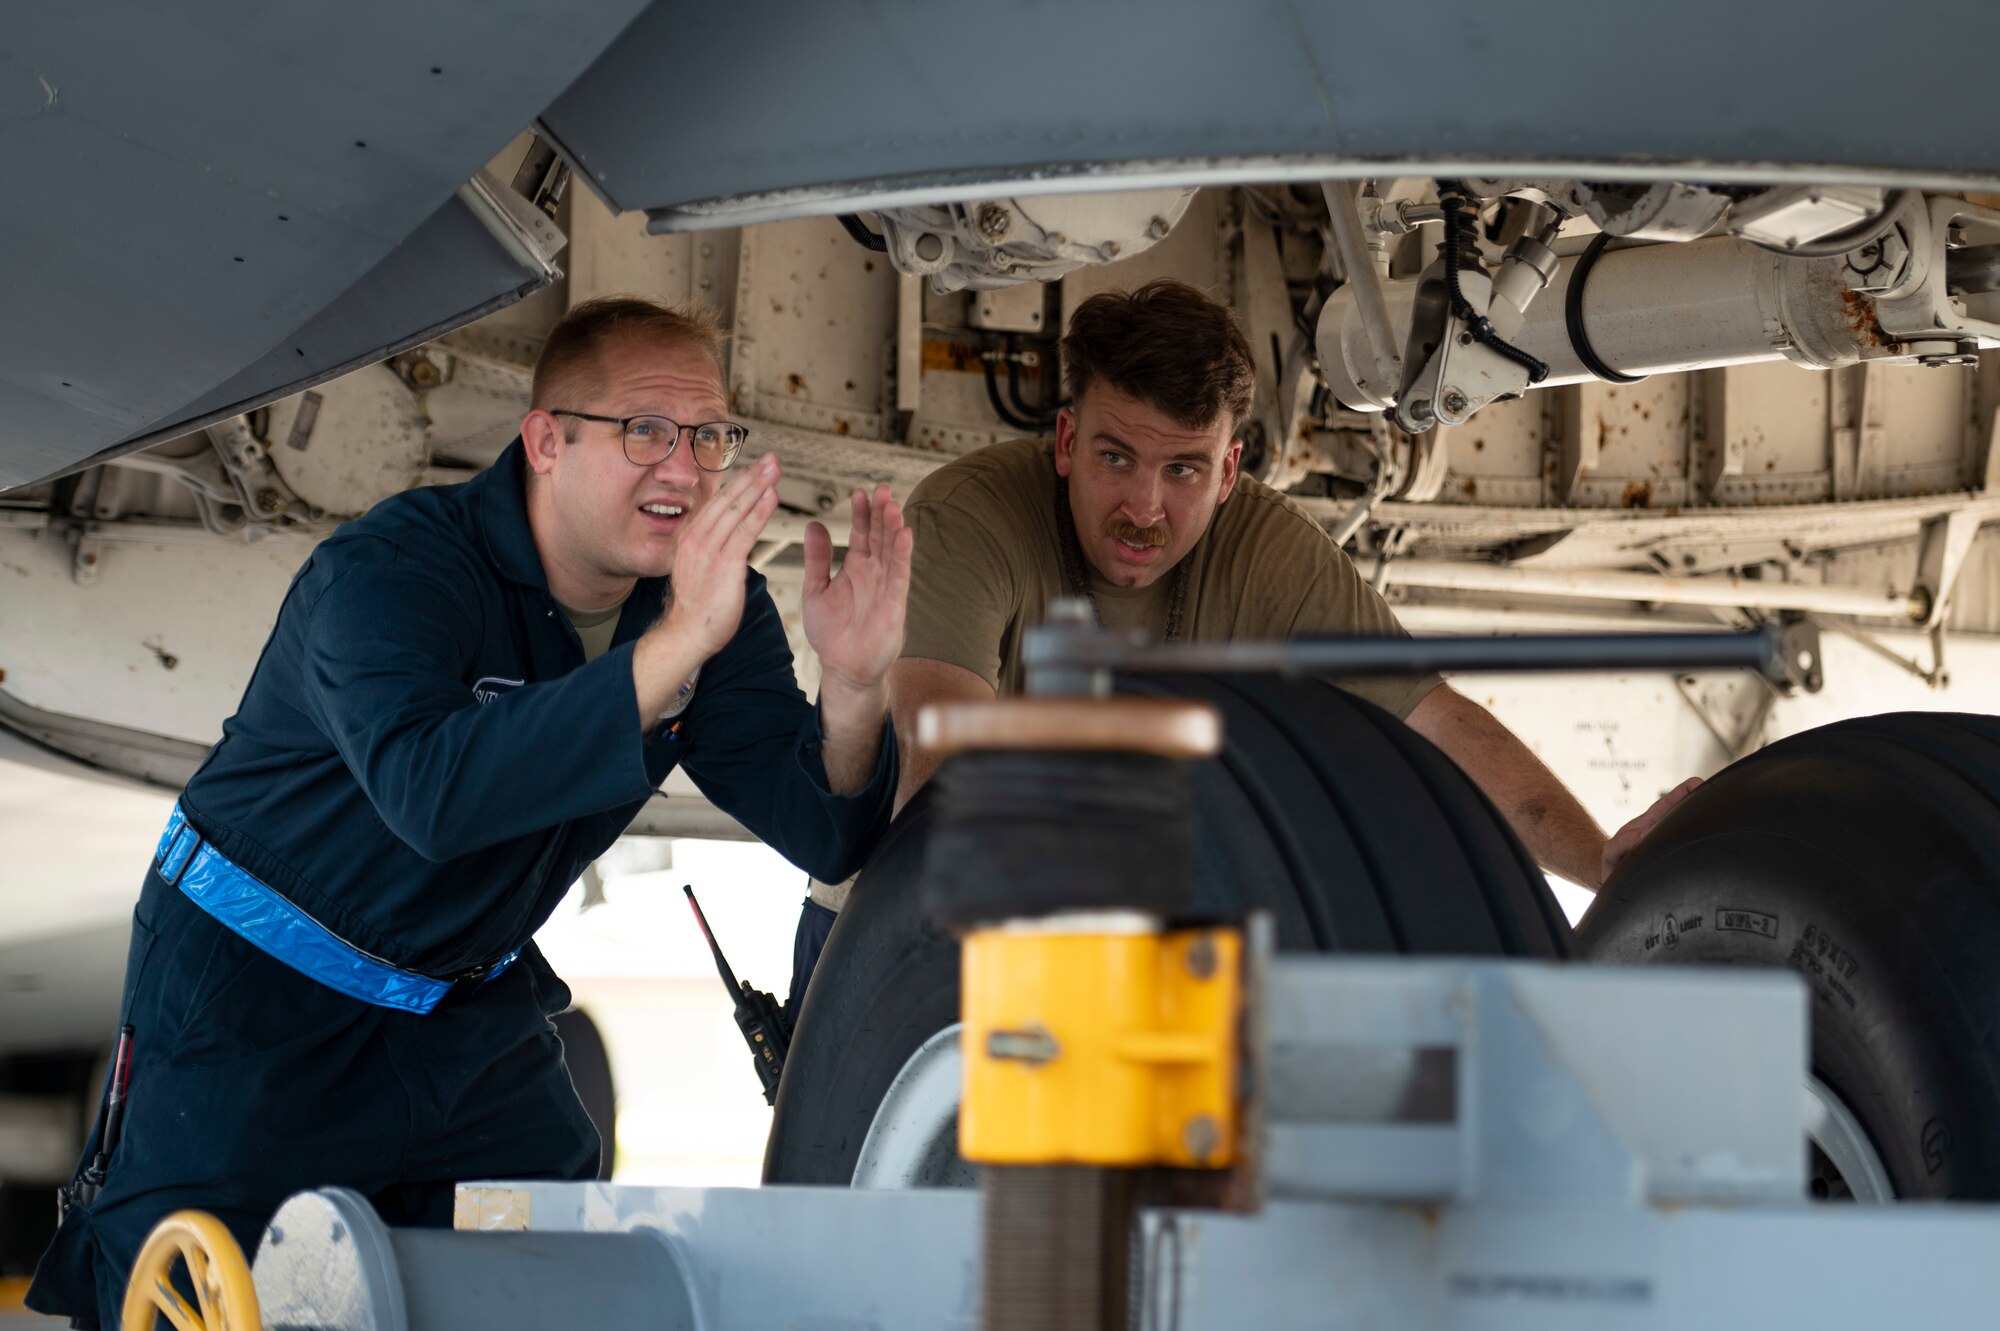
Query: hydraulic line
[[1456, 241], [1579, 340], [1029, 424], [1046, 415], [866, 239]]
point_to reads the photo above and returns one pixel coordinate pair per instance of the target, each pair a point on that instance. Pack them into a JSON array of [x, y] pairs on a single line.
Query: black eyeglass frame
[[624, 424]]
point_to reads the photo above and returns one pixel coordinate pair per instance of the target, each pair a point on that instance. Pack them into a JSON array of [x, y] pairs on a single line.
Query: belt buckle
[[465, 984]]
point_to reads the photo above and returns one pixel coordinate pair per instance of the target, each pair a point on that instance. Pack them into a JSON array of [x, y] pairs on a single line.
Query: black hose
[[1579, 340], [986, 359], [1045, 415], [866, 239], [1477, 324]]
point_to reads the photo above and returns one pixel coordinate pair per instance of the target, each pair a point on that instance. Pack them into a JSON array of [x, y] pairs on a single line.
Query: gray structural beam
[[956, 95]]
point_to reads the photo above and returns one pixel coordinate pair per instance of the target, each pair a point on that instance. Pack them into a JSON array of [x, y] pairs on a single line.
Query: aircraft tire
[[1865, 856], [1350, 828]]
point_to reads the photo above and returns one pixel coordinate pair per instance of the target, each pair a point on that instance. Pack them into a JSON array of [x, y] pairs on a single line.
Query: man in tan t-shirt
[[991, 541], [1137, 504]]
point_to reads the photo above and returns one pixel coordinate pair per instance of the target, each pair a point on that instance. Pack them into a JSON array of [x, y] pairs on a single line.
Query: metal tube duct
[[1739, 593], [1650, 309], [328, 1262]]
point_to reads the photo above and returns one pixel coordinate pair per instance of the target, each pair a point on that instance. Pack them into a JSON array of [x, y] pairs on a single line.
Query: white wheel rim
[[913, 1140], [1831, 1126]]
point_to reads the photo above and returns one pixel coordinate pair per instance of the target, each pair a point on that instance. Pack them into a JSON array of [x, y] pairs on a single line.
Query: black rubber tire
[[1864, 855], [589, 1064], [1349, 827]]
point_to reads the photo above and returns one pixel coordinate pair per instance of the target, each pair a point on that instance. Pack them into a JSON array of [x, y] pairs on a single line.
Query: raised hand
[[854, 619], [709, 563]]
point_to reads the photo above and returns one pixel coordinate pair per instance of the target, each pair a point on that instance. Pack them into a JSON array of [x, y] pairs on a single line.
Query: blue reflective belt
[[270, 923]]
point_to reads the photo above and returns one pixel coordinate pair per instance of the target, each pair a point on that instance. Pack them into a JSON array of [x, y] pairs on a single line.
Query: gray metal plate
[[900, 95], [449, 272]]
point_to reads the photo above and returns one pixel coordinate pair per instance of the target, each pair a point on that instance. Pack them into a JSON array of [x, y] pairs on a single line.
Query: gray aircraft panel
[[195, 181], [448, 273], [863, 91]]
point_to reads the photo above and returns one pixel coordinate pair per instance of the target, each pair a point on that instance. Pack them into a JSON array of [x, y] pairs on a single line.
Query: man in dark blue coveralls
[[468, 695]]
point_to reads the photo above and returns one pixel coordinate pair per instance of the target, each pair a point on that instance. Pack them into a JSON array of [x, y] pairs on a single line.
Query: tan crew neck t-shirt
[[595, 628], [988, 562]]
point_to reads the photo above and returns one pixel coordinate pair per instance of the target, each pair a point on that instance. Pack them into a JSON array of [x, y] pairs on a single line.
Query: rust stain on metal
[[1638, 494], [1479, 445], [840, 425], [1861, 319], [1470, 487], [867, 265], [795, 384]]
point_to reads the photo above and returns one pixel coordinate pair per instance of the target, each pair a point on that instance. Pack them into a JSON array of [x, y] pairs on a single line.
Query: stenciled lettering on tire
[[1936, 1144], [1735, 920], [1831, 968], [1668, 934]]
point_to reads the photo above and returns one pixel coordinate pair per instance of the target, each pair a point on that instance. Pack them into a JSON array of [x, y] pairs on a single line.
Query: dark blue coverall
[[422, 763]]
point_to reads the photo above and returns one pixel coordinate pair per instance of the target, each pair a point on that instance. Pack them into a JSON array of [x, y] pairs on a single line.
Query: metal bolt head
[[424, 372], [1157, 229], [1201, 958], [929, 247], [1033, 1046], [993, 221], [1201, 1137], [270, 501], [1454, 401]]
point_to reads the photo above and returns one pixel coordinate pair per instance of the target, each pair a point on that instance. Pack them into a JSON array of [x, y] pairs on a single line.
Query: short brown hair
[[1166, 344], [568, 372]]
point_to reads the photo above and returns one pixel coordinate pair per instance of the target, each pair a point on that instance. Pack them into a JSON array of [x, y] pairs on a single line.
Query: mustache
[[1119, 530]]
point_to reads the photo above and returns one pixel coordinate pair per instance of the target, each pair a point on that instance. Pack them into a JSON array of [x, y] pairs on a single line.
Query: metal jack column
[[1098, 1042]]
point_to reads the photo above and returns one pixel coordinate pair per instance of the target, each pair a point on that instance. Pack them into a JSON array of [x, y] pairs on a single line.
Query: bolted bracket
[[1115, 1048]]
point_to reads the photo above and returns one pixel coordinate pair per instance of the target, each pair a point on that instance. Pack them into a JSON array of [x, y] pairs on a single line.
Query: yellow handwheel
[[226, 1298]]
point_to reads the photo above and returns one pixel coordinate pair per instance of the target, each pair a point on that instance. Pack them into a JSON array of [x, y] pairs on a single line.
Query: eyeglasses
[[651, 440]]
